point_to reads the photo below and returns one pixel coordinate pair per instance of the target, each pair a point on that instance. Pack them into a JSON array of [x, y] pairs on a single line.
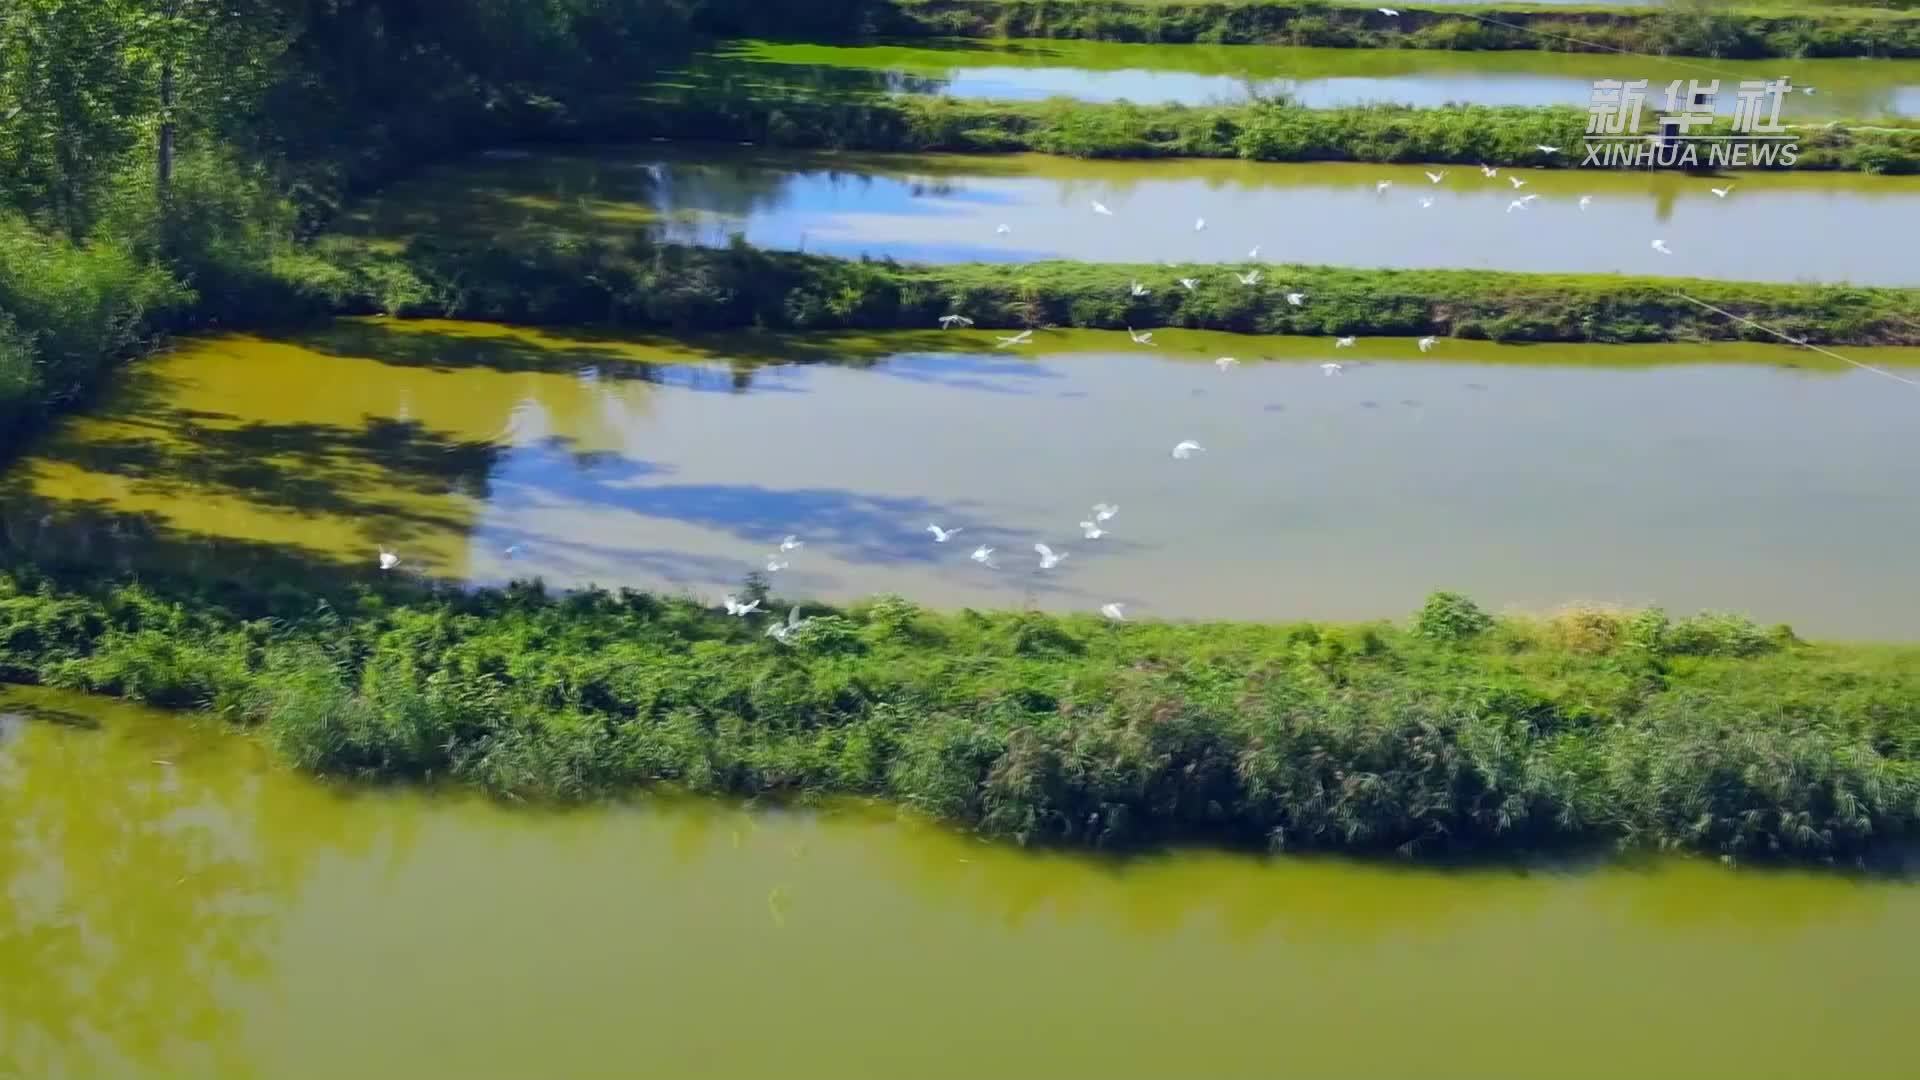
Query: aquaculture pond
[[1828, 227], [1026, 70], [177, 905], [1744, 477]]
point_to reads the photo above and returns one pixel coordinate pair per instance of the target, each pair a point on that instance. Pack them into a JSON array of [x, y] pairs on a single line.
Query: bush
[[1450, 617]]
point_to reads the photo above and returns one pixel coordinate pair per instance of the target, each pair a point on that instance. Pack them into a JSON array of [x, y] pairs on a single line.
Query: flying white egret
[[1545, 149], [1254, 252], [775, 563], [1251, 277], [1516, 182], [984, 556], [1297, 299], [1101, 209], [1426, 202], [1436, 177], [1528, 198], [512, 550], [1488, 171], [1199, 224], [1427, 343], [1190, 284], [1661, 247], [1380, 187], [1002, 229], [1185, 448], [779, 631], [1049, 558], [1139, 290], [388, 560], [1721, 192], [1104, 511], [1116, 612], [1330, 368], [940, 535], [1343, 342], [1586, 201], [1388, 12], [1021, 338], [1140, 337], [948, 322], [1517, 204], [1806, 89], [735, 607], [791, 542], [1225, 362], [1091, 530]]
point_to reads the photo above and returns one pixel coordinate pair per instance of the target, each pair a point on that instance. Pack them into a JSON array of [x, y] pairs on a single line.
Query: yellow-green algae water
[[1744, 477], [177, 905], [1779, 226]]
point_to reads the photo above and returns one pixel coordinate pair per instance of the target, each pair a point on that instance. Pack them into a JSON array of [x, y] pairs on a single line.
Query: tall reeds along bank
[[1753, 32], [1454, 733], [637, 283]]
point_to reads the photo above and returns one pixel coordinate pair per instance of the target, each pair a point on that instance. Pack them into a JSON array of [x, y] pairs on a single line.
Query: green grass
[[636, 283], [1256, 131], [1736, 33], [1458, 733]]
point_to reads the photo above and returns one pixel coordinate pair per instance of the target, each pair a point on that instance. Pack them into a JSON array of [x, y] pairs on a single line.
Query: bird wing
[[793, 617], [1045, 551]]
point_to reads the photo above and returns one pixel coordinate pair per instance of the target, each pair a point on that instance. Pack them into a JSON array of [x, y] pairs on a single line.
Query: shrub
[[1450, 617]]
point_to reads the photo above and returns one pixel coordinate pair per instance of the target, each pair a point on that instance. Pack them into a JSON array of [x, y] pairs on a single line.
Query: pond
[[1738, 477], [1827, 227], [1026, 70], [179, 906]]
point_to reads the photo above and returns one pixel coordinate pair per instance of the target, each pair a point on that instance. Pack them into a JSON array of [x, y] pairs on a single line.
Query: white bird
[[1388, 12], [1253, 253], [779, 631], [512, 550], [1516, 182], [1806, 89], [1185, 448], [1586, 201], [1114, 612], [984, 556], [1104, 511], [1427, 343], [1199, 224], [1426, 202], [1003, 230], [1722, 192], [940, 535], [735, 607], [1661, 247], [1251, 277], [1488, 171], [791, 542], [1297, 299], [1049, 558], [1140, 337], [1528, 198], [1101, 209], [1517, 204], [1190, 284], [1021, 338], [1139, 289], [1092, 530], [1330, 368], [775, 563], [1545, 149], [948, 322], [1381, 187], [1436, 177], [388, 560], [1343, 342], [1225, 362]]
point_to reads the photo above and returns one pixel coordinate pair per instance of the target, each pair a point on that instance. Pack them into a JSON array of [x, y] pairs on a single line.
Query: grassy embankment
[[1747, 32], [1459, 734], [636, 283]]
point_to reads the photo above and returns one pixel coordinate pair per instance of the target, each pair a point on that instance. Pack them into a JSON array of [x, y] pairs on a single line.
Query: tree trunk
[[165, 174]]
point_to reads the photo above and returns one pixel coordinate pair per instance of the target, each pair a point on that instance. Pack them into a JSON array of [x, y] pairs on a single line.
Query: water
[[217, 916], [1730, 477], [1027, 70], [1771, 226]]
